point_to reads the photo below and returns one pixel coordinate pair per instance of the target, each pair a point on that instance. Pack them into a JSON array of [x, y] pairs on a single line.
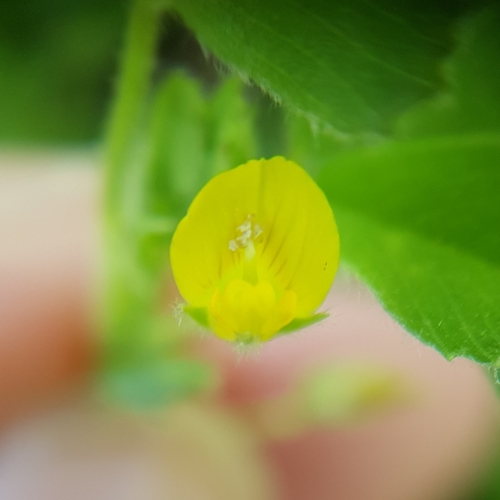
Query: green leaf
[[472, 103], [420, 221], [354, 64]]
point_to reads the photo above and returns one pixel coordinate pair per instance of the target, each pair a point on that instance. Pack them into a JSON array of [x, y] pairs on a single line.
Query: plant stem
[[131, 92], [121, 298]]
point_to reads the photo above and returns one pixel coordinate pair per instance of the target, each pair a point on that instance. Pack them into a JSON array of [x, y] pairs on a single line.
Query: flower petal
[[301, 246], [199, 251], [298, 249]]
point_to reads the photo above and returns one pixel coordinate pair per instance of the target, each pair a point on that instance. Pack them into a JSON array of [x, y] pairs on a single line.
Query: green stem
[[133, 85], [121, 299]]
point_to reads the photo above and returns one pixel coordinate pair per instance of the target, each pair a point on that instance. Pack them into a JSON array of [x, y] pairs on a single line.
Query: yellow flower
[[257, 251]]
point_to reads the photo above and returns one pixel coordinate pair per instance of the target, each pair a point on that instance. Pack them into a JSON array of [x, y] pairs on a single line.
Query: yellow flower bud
[[257, 251]]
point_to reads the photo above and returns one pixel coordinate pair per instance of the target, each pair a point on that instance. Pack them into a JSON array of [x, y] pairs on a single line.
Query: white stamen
[[250, 251], [247, 235], [247, 225]]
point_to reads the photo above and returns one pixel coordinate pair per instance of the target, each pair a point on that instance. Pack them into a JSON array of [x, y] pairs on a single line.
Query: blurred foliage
[[57, 64], [194, 138]]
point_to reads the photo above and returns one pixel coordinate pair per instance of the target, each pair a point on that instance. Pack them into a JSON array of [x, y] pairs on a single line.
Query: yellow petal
[[199, 251], [258, 248], [247, 312], [301, 247]]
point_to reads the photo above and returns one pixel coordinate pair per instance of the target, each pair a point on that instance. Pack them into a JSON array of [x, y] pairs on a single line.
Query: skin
[[429, 448]]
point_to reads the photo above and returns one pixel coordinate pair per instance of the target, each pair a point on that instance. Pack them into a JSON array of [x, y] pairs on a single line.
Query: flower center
[[249, 308], [246, 312], [247, 235]]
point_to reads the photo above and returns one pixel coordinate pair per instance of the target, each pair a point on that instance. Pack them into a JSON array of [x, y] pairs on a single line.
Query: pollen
[[247, 234]]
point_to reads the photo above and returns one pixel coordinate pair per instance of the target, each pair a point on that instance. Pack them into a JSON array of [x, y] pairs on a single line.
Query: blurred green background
[[59, 63]]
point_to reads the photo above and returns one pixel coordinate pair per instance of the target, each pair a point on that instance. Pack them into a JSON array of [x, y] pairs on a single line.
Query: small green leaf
[[193, 137], [354, 64], [299, 323], [198, 314], [229, 129], [420, 221], [177, 138]]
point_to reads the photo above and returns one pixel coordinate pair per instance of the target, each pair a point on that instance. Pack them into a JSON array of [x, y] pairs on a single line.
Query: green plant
[[404, 106]]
